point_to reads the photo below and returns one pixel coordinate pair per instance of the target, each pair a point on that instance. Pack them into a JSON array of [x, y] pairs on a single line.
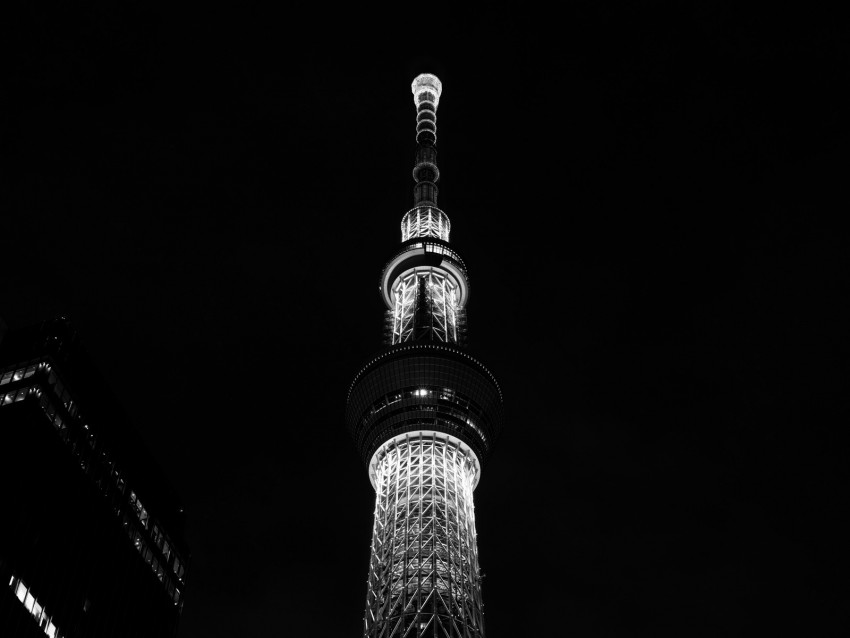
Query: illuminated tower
[[424, 414]]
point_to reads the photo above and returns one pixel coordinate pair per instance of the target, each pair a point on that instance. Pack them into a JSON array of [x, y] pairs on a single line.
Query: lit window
[[6, 378], [36, 609], [178, 568]]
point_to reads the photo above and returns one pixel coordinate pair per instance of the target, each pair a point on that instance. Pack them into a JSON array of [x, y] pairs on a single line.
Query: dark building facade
[[424, 414], [90, 535]]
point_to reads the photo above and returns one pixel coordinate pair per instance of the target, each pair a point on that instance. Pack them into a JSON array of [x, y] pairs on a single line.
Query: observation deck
[[425, 253], [416, 386]]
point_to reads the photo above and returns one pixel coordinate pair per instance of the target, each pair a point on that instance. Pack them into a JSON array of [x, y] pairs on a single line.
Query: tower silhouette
[[424, 415]]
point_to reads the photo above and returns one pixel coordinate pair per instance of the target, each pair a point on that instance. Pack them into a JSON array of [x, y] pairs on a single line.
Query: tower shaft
[[423, 574]]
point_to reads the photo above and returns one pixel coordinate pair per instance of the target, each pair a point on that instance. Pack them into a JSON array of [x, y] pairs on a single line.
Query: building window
[[36, 609]]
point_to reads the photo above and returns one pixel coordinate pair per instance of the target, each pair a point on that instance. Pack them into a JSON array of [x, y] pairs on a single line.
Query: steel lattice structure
[[435, 297], [424, 414], [425, 221], [423, 573]]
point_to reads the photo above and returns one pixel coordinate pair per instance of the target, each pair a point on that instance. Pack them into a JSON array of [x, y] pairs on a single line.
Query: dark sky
[[648, 199]]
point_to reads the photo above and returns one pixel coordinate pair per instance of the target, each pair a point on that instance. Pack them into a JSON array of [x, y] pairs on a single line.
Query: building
[[90, 536], [424, 415]]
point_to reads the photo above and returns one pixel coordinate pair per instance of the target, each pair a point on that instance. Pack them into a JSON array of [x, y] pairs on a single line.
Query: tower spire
[[426, 90]]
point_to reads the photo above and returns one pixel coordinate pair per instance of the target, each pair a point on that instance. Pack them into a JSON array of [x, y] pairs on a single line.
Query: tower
[[424, 415]]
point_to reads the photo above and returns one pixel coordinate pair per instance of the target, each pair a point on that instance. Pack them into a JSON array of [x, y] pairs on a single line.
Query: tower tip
[[426, 83]]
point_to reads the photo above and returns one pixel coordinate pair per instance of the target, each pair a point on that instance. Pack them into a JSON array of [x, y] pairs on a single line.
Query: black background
[[649, 199]]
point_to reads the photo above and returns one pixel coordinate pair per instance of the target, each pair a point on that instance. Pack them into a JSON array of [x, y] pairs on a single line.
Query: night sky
[[648, 199]]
